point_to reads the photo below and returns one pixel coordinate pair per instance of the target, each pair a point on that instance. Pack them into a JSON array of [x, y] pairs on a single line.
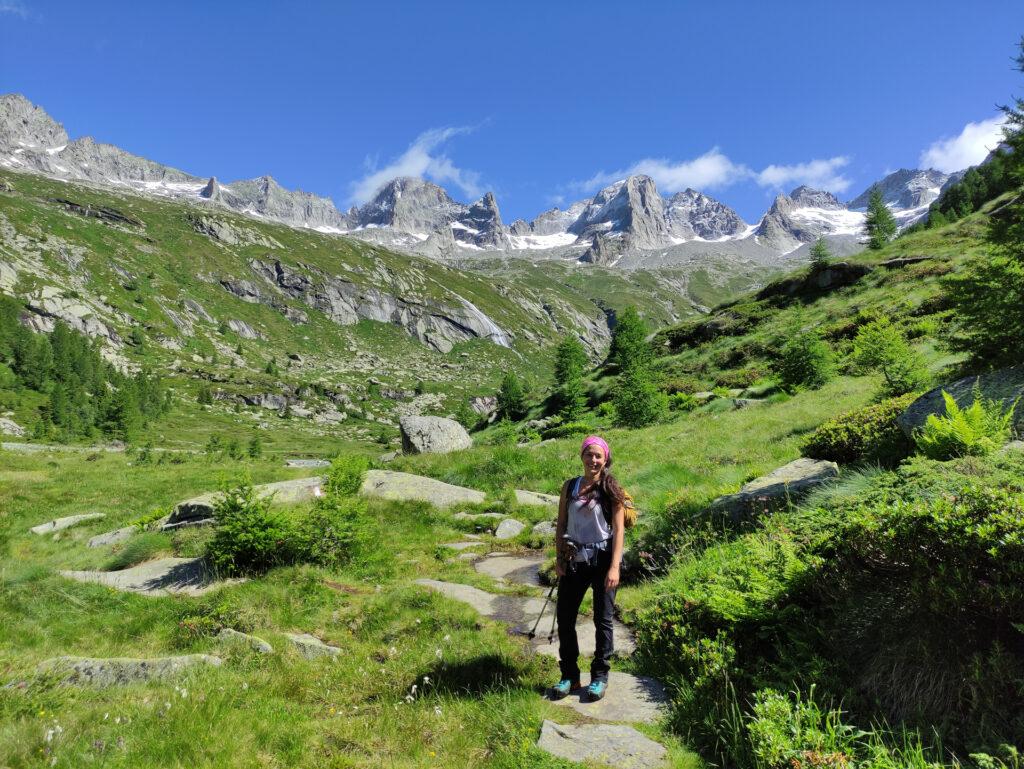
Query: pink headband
[[597, 440]]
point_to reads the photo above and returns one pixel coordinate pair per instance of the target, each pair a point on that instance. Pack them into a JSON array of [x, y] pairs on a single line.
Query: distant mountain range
[[627, 223]]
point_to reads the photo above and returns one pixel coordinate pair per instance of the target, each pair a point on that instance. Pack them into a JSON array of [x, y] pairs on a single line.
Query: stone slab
[[1006, 385], [545, 529], [611, 745], [113, 537], [308, 463], [461, 545], [519, 569], [509, 528], [535, 498], [388, 484], [629, 699], [120, 671], [163, 576], [311, 647], [229, 636], [59, 524], [777, 487]]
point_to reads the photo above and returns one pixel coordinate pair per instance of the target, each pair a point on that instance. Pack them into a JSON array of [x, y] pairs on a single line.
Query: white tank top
[[587, 524]]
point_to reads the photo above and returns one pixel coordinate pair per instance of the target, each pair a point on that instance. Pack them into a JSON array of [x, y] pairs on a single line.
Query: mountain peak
[[811, 198]]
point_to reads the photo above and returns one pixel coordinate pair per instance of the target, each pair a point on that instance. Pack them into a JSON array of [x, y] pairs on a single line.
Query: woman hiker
[[588, 538]]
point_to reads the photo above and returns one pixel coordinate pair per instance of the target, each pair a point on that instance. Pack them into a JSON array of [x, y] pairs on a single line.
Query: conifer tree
[[511, 398], [570, 361], [880, 223], [629, 340], [821, 257]]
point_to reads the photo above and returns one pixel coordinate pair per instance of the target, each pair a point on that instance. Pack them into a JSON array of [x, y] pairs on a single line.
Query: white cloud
[[968, 149], [820, 174], [14, 8], [420, 160], [710, 170]]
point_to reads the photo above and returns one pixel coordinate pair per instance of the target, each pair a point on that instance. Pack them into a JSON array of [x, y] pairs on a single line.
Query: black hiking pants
[[571, 589]]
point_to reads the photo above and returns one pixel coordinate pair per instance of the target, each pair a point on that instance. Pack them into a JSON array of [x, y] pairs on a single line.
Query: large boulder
[[776, 488], [1006, 385], [615, 745], [200, 509], [388, 484], [433, 435]]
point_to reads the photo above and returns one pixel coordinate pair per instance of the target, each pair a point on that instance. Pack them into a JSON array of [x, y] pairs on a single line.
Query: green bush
[[682, 402], [805, 361], [346, 475], [503, 434], [869, 434], [881, 347], [329, 533], [638, 402], [567, 430], [250, 537], [977, 430]]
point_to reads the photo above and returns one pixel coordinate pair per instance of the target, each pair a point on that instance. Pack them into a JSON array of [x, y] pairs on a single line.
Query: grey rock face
[[264, 196], [812, 198], [258, 645], [164, 576], [535, 498], [10, 427], [777, 487], [433, 435], [410, 205], [121, 671], [519, 227], [481, 225], [1005, 385], [509, 528], [388, 484], [544, 529], [604, 249], [212, 190], [311, 647], [229, 233], [690, 214], [24, 125], [610, 745], [113, 537], [59, 524], [906, 188], [555, 220], [631, 207]]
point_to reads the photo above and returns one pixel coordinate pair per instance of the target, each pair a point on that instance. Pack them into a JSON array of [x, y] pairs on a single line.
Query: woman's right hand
[[559, 567]]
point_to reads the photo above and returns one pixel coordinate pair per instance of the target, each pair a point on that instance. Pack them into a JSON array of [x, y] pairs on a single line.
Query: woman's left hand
[[612, 580]]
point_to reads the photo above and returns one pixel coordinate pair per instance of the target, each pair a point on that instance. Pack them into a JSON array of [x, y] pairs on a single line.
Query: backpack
[[630, 513]]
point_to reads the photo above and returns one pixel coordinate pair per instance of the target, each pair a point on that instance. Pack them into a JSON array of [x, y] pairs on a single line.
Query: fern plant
[[976, 430]]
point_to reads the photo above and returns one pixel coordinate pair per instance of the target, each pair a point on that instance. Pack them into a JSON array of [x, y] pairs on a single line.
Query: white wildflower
[[437, 710], [412, 691], [426, 680], [437, 653]]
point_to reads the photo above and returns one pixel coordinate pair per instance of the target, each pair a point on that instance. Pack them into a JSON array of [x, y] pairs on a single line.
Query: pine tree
[[821, 257], [638, 402], [511, 398], [880, 223], [629, 340], [570, 362], [255, 449]]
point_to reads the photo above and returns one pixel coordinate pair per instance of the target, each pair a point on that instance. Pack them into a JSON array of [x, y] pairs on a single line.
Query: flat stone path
[[619, 746], [59, 524], [461, 545], [521, 569], [164, 576], [630, 699]]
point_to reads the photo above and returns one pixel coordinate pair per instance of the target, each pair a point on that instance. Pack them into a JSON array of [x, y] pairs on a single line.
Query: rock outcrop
[[632, 209], [691, 214], [1005, 385], [433, 435], [388, 484], [121, 671], [606, 744], [776, 488]]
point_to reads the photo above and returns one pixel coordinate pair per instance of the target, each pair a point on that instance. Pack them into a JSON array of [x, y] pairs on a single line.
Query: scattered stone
[[619, 746], [390, 456], [520, 569], [469, 556], [479, 516], [545, 529], [59, 524], [461, 545], [903, 261], [777, 487], [306, 463], [189, 523], [227, 635], [121, 671], [389, 484], [164, 576], [1006, 385], [113, 537], [432, 435], [632, 699], [10, 427], [311, 647], [535, 498], [509, 528], [284, 492]]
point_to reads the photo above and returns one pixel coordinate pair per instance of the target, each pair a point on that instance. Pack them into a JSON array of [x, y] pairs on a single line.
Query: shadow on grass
[[471, 678]]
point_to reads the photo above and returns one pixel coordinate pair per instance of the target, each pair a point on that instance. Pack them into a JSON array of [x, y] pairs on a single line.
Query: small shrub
[[503, 434], [977, 430], [869, 434], [881, 347], [346, 475], [805, 362], [567, 430], [250, 537], [606, 411], [682, 402], [255, 448], [328, 534], [682, 384]]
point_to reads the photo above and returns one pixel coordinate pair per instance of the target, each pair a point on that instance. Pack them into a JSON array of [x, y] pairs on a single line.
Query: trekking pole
[[554, 619], [533, 633]]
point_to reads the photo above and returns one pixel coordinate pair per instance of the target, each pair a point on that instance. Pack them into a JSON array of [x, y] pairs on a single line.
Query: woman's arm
[[618, 537], [560, 527]]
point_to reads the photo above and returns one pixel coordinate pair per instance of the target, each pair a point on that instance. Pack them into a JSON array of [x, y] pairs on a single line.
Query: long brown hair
[[611, 490]]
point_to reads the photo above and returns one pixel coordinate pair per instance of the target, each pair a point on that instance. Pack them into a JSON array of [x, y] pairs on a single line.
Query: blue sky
[[539, 102]]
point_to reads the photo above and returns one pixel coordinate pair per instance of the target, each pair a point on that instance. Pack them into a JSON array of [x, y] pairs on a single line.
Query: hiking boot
[[562, 688], [596, 690]]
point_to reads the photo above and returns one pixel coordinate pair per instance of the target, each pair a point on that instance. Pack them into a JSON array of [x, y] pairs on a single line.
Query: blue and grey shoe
[[596, 690], [563, 687]]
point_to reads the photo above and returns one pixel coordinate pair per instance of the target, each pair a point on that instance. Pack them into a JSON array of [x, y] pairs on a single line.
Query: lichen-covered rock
[[258, 645], [121, 671], [612, 745], [283, 492], [59, 524], [388, 484], [509, 528], [777, 487], [311, 647], [433, 435], [10, 427], [113, 537], [1005, 385]]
